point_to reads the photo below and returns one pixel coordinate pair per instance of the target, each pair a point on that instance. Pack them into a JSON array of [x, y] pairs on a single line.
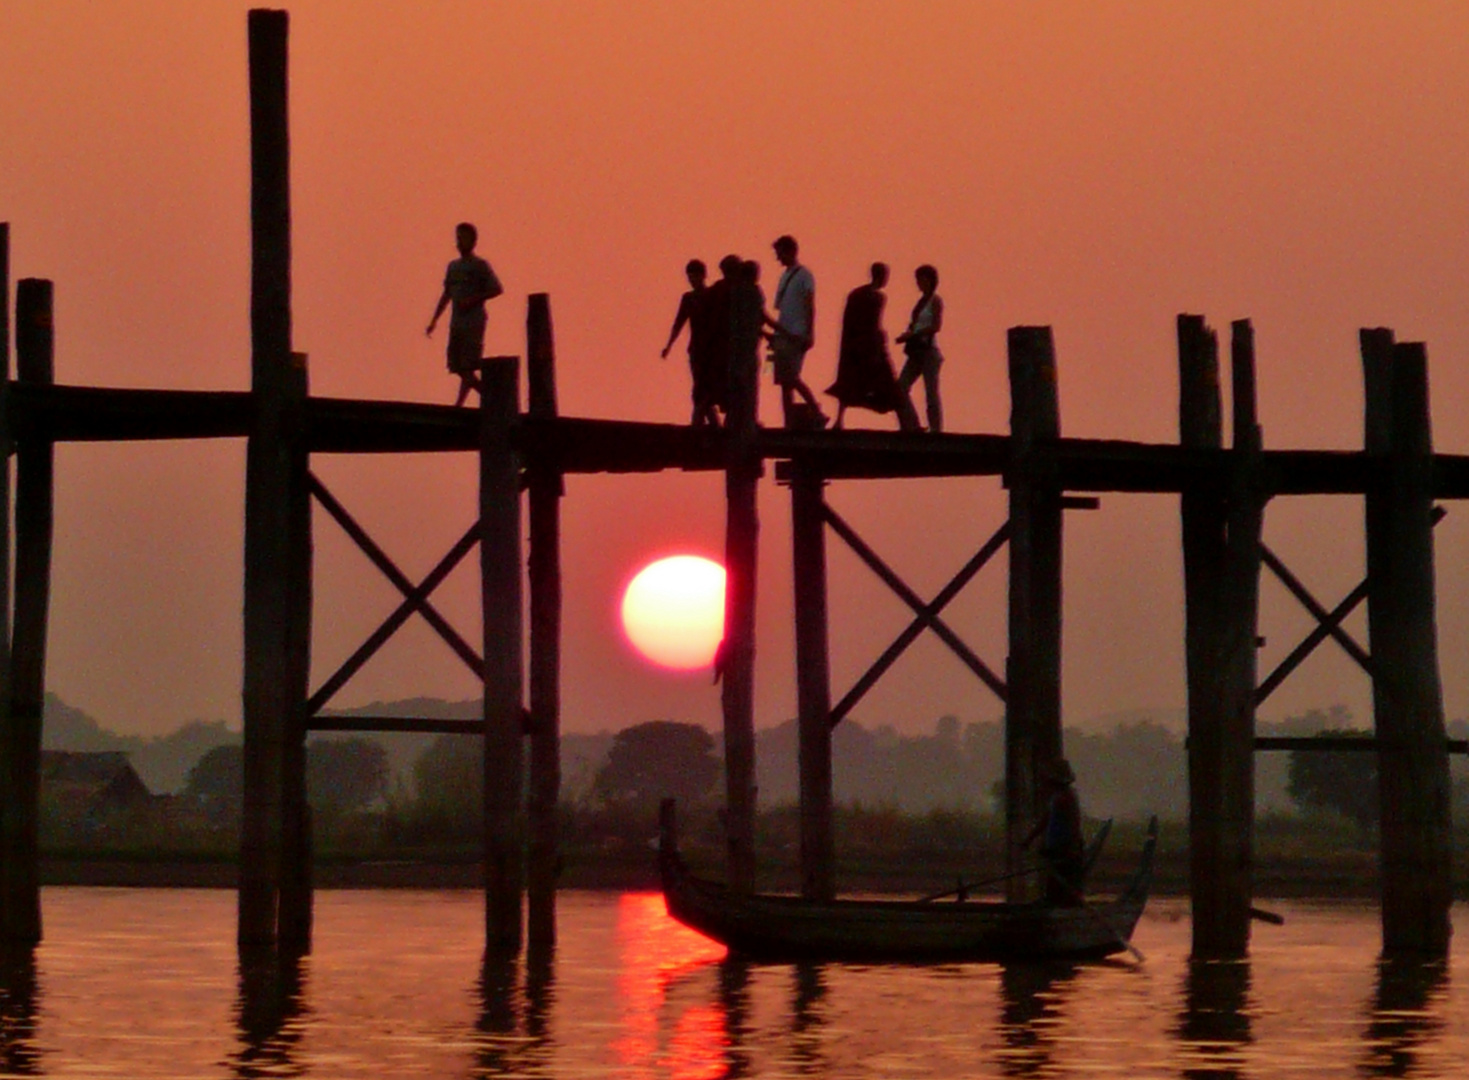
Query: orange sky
[[1096, 167]]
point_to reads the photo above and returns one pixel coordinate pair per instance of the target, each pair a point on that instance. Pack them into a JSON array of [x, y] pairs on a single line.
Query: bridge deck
[[579, 445]]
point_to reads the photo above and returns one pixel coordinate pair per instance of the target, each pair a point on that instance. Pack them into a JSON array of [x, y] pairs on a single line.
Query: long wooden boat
[[763, 926]]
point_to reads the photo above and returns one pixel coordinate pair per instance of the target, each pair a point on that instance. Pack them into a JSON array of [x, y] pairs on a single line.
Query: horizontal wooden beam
[[1336, 743], [582, 445], [423, 725]]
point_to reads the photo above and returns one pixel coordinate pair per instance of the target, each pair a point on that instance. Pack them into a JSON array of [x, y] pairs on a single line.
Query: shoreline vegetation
[[915, 814], [879, 852]]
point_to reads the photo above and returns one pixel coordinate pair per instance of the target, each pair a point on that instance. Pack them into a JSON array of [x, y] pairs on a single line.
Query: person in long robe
[[865, 377]]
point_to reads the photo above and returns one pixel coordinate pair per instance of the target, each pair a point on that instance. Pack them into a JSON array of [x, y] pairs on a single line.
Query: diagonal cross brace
[[1332, 621], [1311, 604], [926, 615], [415, 598], [1328, 622]]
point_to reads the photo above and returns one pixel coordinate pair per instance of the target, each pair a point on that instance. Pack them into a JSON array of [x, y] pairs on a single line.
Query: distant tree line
[[429, 791]]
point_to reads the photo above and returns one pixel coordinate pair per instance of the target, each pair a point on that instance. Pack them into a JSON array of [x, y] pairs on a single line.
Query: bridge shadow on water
[[662, 1001], [271, 1014], [20, 998], [1405, 1014], [1213, 1026], [513, 1029]]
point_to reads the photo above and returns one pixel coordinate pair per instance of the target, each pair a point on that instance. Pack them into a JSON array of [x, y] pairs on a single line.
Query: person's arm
[[493, 288], [443, 303], [808, 301], [678, 324]]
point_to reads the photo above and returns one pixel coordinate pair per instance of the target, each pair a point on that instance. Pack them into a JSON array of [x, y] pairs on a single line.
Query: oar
[[1261, 915], [1102, 920], [963, 888]]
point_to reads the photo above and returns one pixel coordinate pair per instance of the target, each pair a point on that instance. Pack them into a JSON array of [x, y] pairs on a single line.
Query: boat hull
[[790, 928]]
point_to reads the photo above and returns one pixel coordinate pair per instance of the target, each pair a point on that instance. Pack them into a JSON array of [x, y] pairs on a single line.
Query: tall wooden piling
[[1202, 512], [500, 563], [813, 684], [736, 661], [34, 470], [545, 491], [9, 761], [267, 698], [295, 908], [1238, 609], [1221, 514], [1033, 669], [1407, 698]]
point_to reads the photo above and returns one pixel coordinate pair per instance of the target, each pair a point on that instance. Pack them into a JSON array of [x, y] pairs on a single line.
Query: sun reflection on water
[[654, 951]]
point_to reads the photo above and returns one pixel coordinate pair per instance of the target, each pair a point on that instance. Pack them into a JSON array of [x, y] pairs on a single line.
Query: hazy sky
[[1096, 167]]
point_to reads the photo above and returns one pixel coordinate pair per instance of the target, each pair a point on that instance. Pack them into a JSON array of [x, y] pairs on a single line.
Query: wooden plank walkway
[[585, 446]]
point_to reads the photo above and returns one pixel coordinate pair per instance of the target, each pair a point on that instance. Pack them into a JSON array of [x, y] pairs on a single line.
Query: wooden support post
[[267, 699], [546, 489], [735, 664], [1238, 629], [1413, 771], [500, 563], [813, 683], [295, 912], [1220, 530], [34, 467], [1202, 512], [1033, 668], [9, 763]]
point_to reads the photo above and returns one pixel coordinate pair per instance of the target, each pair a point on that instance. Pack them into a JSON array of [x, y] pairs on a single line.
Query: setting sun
[[673, 611]]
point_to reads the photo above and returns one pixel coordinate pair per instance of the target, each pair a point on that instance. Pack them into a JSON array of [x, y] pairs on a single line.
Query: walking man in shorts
[[791, 331], [468, 283]]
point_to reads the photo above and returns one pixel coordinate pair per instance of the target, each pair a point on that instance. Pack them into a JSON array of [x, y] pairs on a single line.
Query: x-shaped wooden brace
[[415, 598], [926, 616], [1328, 623]]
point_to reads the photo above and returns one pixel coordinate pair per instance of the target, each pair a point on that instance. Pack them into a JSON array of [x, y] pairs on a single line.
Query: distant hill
[[162, 763]]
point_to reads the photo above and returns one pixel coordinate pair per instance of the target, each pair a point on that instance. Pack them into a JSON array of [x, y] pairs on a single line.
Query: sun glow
[[673, 611]]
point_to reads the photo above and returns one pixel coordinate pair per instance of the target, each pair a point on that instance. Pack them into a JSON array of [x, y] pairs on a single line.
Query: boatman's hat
[[1059, 771]]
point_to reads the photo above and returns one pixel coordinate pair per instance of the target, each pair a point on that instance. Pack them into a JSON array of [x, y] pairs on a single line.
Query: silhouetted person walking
[[865, 377], [468, 284], [793, 329], [720, 299], [694, 310], [746, 320], [923, 356]]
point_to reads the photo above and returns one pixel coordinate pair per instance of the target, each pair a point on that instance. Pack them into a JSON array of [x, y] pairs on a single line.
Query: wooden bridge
[[523, 454]]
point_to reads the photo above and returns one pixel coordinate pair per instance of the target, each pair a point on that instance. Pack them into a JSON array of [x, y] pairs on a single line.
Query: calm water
[[144, 983]]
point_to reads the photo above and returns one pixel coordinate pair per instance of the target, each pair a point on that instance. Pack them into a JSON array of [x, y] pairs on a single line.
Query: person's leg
[[912, 367], [907, 414], [934, 406], [805, 392], [466, 348]]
